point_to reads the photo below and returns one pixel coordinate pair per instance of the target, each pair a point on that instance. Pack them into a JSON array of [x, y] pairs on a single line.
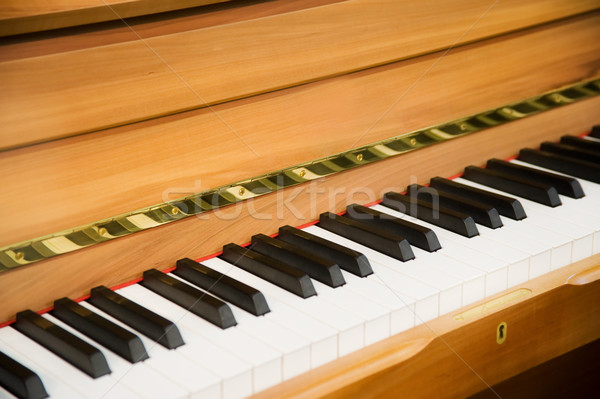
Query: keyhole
[[501, 332]]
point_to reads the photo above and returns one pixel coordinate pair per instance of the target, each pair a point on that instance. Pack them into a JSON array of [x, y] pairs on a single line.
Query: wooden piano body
[[103, 120]]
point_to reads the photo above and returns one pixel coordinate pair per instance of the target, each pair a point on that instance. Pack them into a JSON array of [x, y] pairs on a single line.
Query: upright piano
[[319, 198]]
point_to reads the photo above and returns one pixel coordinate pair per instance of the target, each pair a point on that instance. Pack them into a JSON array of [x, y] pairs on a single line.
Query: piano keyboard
[[286, 305]]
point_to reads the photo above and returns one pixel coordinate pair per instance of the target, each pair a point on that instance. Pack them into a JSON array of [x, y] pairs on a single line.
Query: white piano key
[[473, 280], [582, 210], [401, 307], [184, 369], [500, 265], [376, 316], [527, 240], [350, 327], [234, 374], [597, 140], [450, 288], [107, 386], [582, 237], [122, 372], [23, 350], [561, 245], [323, 338], [295, 348], [585, 184], [581, 219], [4, 394], [495, 270], [266, 361], [427, 305], [99, 386]]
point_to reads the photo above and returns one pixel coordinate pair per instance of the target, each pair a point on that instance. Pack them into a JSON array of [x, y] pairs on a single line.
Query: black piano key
[[79, 353], [506, 206], [106, 333], [222, 286], [560, 163], [448, 219], [481, 213], [138, 317], [565, 185], [581, 143], [595, 132], [571, 151], [285, 276], [378, 239], [321, 269], [198, 302], [541, 193], [417, 235], [348, 259], [19, 380]]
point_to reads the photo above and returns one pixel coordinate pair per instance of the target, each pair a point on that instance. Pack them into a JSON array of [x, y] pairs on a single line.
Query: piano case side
[[449, 358]]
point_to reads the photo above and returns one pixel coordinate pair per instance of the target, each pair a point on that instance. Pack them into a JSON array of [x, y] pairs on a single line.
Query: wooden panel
[[451, 359], [18, 16], [106, 33], [62, 184], [69, 93], [574, 374], [73, 274]]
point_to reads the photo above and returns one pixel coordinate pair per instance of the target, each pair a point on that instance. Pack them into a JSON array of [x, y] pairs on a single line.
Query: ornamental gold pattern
[[38, 249]]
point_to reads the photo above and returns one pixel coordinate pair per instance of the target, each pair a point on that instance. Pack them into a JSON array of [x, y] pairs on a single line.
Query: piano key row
[[400, 263]]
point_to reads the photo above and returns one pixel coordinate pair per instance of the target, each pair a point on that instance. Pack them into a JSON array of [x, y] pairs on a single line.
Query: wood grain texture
[[124, 259], [449, 359], [572, 375], [17, 17], [64, 94], [112, 32], [71, 182]]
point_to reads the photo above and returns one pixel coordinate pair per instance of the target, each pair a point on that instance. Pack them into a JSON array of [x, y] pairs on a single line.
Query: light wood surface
[[572, 375], [124, 259], [112, 32], [71, 182], [447, 358], [163, 152], [18, 16], [81, 91]]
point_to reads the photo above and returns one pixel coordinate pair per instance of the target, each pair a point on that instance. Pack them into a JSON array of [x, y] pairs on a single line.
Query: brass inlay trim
[[492, 305], [27, 252]]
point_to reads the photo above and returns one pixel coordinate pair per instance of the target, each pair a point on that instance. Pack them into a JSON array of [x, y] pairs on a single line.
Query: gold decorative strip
[[41, 248], [492, 305]]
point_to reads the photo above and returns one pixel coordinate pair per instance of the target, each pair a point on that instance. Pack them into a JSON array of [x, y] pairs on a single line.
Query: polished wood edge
[[214, 65], [453, 358], [74, 274], [585, 277], [571, 375], [74, 239], [23, 18], [75, 38], [71, 182]]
